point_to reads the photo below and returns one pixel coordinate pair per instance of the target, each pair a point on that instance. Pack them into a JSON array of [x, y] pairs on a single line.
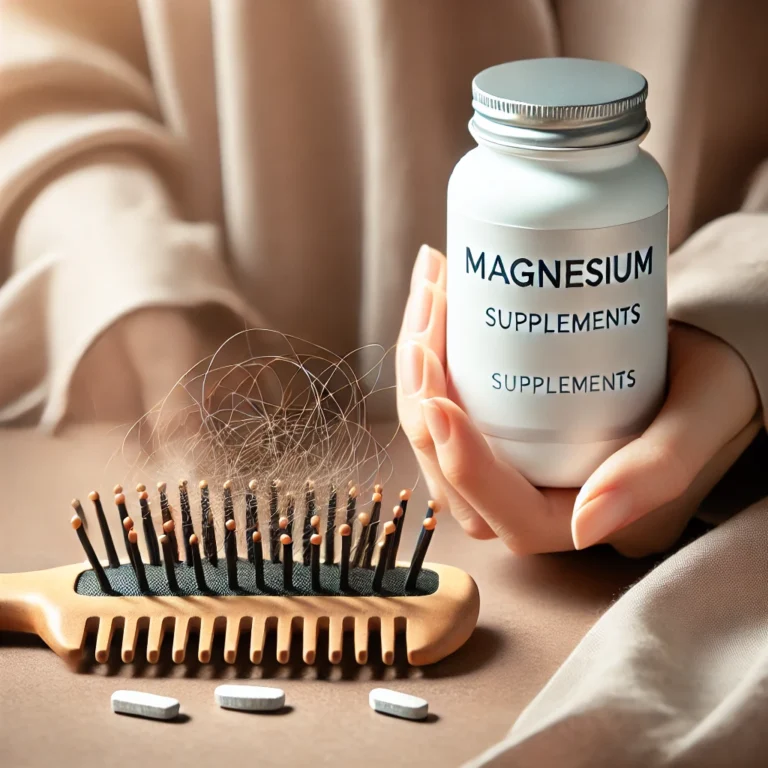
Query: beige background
[[533, 613]]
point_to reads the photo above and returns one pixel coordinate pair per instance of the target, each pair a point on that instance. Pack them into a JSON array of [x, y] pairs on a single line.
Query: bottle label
[[557, 335]]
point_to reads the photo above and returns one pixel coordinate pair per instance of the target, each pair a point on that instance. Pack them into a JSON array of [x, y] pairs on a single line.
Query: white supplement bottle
[[557, 251]]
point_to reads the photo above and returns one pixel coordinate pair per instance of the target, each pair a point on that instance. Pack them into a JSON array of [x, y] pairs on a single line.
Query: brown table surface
[[533, 612]]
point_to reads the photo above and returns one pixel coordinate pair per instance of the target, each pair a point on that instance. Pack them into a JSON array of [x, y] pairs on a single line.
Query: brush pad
[[123, 581]]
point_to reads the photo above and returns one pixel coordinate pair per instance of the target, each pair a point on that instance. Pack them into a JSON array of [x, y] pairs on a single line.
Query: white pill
[[398, 704], [253, 698], [145, 705]]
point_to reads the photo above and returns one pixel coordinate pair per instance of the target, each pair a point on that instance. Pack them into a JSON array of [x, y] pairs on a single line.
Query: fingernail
[[584, 494], [437, 421], [427, 267], [600, 517], [419, 309], [411, 367]]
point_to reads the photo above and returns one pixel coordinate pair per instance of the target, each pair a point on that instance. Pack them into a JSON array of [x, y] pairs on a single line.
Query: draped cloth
[[171, 170], [209, 165]]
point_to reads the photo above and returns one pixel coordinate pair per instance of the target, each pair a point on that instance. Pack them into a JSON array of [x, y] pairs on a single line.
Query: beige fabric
[[285, 159], [177, 164], [674, 674]]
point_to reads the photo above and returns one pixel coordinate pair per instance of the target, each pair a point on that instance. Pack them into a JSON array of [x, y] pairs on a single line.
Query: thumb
[[711, 399]]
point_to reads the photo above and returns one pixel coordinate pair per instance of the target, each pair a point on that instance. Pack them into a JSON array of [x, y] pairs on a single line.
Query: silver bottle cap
[[558, 103]]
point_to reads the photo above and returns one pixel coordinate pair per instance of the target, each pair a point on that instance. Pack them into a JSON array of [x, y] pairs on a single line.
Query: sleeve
[[718, 281], [90, 218]]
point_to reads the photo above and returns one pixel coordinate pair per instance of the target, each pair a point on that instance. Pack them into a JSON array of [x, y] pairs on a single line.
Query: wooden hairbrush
[[181, 589]]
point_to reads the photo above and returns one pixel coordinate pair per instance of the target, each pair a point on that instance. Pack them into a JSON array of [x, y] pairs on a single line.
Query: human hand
[[658, 478]]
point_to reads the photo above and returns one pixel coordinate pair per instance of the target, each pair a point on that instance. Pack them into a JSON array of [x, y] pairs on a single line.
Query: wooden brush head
[[46, 603], [186, 584]]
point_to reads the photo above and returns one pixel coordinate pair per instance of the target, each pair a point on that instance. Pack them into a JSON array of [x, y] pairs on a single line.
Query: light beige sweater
[[169, 165], [284, 159]]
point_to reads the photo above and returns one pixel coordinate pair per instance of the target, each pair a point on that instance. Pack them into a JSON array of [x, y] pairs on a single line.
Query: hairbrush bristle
[[383, 562], [137, 562], [169, 562], [345, 531], [251, 517], [106, 535], [187, 526], [197, 563], [274, 519], [417, 561], [78, 507], [308, 528], [79, 527], [405, 495], [150, 536], [314, 557], [330, 527], [258, 561], [275, 437], [287, 544], [373, 530], [230, 552]]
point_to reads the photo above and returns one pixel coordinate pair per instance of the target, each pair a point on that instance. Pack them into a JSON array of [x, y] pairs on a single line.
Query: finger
[[424, 317], [421, 371], [660, 529], [711, 398], [430, 266], [524, 518], [420, 375]]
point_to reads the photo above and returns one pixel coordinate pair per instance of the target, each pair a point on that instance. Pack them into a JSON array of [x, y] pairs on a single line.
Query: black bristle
[[123, 512], [187, 526], [209, 540], [373, 529], [150, 536], [138, 564], [287, 543], [351, 507], [330, 529], [417, 561], [197, 563], [357, 559], [230, 553], [399, 522], [381, 565], [165, 509], [206, 519], [314, 559], [290, 513], [251, 520], [346, 548], [169, 562], [167, 516], [229, 506], [78, 507], [106, 535], [97, 567], [274, 521], [258, 561], [307, 530]]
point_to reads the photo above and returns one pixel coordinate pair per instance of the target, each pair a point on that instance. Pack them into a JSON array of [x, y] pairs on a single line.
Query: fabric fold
[[718, 282], [674, 674]]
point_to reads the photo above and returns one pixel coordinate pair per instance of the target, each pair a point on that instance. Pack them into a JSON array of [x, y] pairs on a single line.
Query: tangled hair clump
[[296, 413]]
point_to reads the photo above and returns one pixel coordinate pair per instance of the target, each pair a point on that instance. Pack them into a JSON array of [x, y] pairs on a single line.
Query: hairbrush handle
[[29, 603], [18, 607], [46, 603]]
